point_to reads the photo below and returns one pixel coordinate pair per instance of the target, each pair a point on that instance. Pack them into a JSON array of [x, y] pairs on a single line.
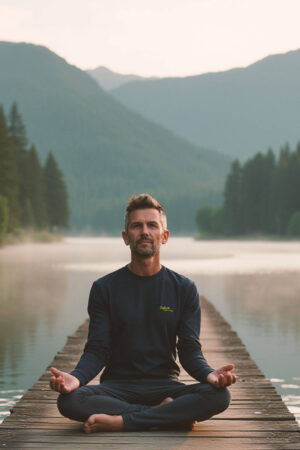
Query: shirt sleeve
[[97, 349], [188, 344]]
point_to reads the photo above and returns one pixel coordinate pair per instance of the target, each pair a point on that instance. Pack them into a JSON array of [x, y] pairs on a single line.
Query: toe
[[91, 420], [86, 428]]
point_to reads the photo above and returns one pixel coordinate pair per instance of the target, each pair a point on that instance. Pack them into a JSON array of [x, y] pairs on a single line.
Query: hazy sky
[[155, 37]]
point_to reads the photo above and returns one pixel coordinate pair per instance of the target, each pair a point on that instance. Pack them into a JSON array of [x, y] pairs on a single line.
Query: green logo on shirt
[[166, 308]]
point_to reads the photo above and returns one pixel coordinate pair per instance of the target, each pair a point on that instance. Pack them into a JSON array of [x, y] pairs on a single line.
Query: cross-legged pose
[[141, 316]]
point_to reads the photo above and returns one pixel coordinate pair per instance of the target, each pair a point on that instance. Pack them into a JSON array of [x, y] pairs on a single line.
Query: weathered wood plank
[[256, 419]]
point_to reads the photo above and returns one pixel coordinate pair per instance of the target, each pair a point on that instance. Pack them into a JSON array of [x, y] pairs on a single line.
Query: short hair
[[145, 201]]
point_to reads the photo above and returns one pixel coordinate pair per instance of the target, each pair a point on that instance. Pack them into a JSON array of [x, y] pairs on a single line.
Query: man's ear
[[165, 236], [125, 237]]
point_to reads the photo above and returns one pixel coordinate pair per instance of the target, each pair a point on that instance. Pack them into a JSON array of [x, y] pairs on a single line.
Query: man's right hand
[[63, 382]]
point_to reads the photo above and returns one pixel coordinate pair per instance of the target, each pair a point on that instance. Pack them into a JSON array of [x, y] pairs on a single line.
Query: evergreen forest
[[261, 197], [32, 197]]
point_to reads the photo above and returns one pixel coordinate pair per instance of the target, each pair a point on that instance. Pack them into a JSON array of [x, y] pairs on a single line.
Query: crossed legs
[[115, 405]]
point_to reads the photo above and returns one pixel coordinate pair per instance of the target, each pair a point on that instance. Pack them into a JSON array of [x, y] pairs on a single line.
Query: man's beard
[[146, 252]]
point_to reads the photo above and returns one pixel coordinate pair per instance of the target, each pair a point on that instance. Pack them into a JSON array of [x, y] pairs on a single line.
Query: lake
[[44, 290]]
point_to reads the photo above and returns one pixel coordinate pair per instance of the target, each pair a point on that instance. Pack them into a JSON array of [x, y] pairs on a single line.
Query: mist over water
[[45, 287]]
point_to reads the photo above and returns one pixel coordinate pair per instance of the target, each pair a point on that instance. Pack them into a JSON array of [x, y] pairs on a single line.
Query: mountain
[[108, 79], [106, 151], [238, 112]]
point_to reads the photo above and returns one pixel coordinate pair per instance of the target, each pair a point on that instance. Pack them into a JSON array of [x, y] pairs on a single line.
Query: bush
[[293, 226], [204, 219], [210, 220]]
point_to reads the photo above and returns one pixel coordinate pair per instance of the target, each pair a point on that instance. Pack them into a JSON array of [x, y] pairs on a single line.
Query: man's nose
[[145, 229]]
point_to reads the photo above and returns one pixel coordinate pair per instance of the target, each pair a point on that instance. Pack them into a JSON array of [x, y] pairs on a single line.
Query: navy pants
[[135, 401]]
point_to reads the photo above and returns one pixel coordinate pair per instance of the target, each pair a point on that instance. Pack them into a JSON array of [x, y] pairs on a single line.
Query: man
[[139, 315]]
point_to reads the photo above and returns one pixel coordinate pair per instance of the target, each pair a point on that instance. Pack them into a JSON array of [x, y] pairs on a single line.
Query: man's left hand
[[222, 377]]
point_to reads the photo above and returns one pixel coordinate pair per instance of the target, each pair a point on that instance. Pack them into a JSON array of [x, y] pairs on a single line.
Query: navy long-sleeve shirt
[[136, 325]]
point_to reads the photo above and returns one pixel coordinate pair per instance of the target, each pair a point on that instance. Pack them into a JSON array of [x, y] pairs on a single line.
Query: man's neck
[[145, 267]]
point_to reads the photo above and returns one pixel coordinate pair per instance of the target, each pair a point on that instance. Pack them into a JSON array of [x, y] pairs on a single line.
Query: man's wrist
[[77, 379], [76, 375]]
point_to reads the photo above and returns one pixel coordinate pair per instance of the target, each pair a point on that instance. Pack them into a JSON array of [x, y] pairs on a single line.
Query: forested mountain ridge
[[238, 112], [107, 152]]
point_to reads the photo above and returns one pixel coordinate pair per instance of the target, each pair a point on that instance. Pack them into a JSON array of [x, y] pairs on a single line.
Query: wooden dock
[[256, 419]]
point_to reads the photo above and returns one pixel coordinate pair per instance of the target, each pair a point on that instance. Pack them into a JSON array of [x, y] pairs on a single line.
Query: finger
[[221, 381], [60, 388], [231, 379], [52, 383], [227, 368], [224, 381], [228, 380], [60, 384], [55, 371], [57, 383]]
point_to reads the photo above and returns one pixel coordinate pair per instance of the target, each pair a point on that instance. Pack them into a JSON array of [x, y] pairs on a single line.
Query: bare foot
[[166, 400], [103, 422]]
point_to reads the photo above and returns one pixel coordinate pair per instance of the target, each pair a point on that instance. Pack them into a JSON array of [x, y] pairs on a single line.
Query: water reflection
[[271, 300], [36, 300], [27, 305], [44, 290], [265, 311]]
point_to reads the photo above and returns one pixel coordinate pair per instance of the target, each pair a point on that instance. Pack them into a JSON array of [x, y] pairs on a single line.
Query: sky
[[155, 37]]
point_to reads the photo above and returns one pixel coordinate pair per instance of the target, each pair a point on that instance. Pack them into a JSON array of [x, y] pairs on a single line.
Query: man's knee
[[216, 400], [67, 405], [222, 400]]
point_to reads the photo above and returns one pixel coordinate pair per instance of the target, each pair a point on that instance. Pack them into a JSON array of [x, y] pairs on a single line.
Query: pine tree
[[293, 226], [8, 175], [56, 195], [267, 216], [293, 186], [18, 137], [256, 182], [4, 217], [232, 200], [204, 217], [36, 189], [281, 189]]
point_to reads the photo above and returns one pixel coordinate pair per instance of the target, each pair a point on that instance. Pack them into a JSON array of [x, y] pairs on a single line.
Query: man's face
[[145, 232]]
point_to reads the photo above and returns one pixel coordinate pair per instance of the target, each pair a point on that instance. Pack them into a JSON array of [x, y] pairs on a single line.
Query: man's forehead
[[147, 214]]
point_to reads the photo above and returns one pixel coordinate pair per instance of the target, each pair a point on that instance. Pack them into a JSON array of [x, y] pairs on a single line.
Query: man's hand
[[63, 382], [222, 377]]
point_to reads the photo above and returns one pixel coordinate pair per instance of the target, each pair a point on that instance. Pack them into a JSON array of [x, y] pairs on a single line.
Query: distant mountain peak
[[108, 79]]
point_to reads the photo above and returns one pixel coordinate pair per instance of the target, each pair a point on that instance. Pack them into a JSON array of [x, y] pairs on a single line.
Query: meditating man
[[140, 316]]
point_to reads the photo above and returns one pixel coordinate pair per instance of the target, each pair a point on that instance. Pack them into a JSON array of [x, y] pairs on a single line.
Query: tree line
[[32, 196], [261, 196]]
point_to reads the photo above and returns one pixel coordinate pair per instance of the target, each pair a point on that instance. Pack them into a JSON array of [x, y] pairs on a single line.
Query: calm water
[[44, 290]]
